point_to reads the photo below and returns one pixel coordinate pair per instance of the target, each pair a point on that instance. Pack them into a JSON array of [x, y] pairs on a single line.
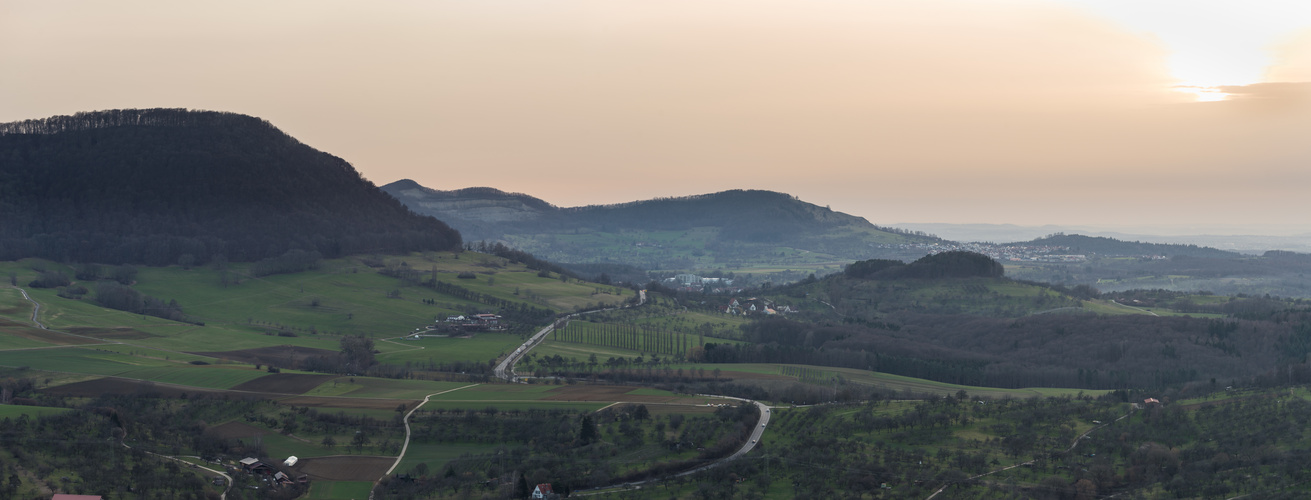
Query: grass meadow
[[340, 490]]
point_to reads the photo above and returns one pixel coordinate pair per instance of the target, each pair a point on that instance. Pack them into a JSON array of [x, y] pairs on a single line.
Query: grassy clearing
[[340, 490], [516, 405], [383, 388], [90, 361], [435, 456], [15, 411], [282, 446]]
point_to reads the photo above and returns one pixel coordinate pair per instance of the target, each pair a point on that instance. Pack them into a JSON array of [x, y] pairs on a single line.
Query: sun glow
[[1213, 43]]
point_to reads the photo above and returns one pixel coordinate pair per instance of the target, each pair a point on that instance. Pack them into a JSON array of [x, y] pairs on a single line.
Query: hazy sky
[[999, 111]]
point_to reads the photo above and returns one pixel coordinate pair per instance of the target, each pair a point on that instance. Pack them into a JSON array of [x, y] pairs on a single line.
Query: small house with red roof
[[543, 491]]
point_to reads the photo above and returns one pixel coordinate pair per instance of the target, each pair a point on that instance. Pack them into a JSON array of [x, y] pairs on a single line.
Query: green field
[[93, 361], [340, 490], [525, 405], [382, 388], [435, 456], [15, 411], [343, 296]]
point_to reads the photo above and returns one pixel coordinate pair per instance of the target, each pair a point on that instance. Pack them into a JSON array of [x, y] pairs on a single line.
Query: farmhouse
[[254, 466], [474, 323], [543, 491]]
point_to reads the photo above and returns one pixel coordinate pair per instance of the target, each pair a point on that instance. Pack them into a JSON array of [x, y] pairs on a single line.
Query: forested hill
[[1101, 245], [149, 186], [743, 225]]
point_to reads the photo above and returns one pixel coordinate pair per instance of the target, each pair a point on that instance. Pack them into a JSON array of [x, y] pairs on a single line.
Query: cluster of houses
[[486, 322], [255, 466], [754, 306], [694, 283]]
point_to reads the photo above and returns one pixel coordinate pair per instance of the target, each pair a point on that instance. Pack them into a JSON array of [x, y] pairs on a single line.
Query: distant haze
[[1028, 112], [1252, 239]]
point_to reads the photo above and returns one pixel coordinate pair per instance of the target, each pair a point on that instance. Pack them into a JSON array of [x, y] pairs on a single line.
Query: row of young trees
[[626, 336]]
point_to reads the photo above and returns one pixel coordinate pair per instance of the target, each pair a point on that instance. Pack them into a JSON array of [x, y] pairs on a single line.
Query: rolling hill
[[725, 229]]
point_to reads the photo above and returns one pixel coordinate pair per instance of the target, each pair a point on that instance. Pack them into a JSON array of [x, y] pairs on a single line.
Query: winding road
[[36, 309], [505, 371]]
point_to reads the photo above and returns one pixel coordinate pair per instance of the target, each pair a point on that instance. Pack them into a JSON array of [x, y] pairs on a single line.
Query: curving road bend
[[36, 309]]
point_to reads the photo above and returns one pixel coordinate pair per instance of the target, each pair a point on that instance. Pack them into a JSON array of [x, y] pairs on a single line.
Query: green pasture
[[483, 392], [507, 278], [382, 388], [80, 360], [282, 446], [15, 411], [902, 383], [436, 455], [13, 305], [1110, 307], [339, 490], [480, 347], [516, 405], [341, 297], [92, 361]]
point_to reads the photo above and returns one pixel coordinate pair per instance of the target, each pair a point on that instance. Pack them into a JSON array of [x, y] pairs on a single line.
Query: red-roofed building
[[543, 491]]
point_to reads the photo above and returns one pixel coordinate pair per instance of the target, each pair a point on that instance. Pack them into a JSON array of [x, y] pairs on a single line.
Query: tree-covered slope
[[745, 226], [148, 186]]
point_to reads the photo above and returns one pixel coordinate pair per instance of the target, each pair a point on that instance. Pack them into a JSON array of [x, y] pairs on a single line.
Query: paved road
[[505, 369], [36, 308]]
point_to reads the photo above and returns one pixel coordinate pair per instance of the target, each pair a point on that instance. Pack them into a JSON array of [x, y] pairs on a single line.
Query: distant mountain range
[[730, 227], [1100, 245], [1248, 239], [149, 186]]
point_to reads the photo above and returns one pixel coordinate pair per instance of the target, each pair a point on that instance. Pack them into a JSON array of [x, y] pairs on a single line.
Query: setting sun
[[1212, 43]]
